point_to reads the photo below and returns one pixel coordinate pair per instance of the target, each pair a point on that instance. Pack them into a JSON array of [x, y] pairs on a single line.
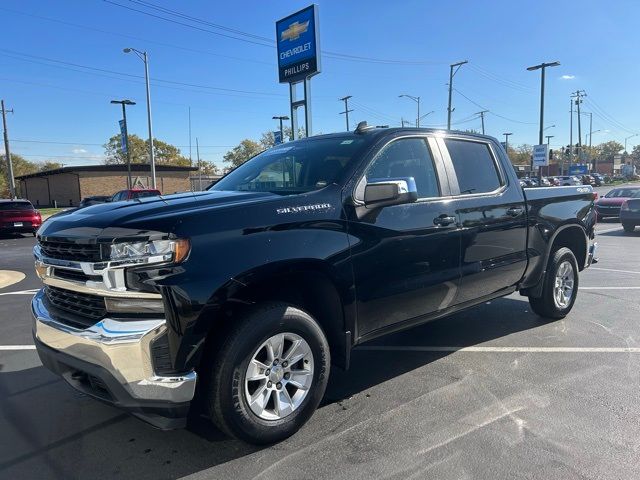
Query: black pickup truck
[[246, 295]]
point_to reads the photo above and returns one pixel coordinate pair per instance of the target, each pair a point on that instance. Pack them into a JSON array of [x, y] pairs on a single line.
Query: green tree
[[635, 154], [607, 150], [243, 152], [209, 168], [268, 140], [520, 155], [21, 166], [165, 153], [48, 165]]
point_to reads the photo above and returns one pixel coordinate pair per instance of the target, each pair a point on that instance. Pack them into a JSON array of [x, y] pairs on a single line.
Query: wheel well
[[309, 290], [574, 239]]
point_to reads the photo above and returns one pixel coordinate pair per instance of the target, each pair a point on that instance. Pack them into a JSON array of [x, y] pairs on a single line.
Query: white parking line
[[17, 347], [502, 349], [609, 288], [608, 230], [612, 270], [21, 292]]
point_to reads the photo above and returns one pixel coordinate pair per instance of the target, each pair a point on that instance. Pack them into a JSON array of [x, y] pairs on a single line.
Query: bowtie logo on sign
[[294, 31]]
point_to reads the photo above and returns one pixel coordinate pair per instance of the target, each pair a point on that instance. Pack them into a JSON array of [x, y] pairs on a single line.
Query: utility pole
[[126, 137], [199, 166], [578, 96], [190, 160], [451, 75], [542, 67], [7, 153], [346, 108], [570, 134], [482, 118]]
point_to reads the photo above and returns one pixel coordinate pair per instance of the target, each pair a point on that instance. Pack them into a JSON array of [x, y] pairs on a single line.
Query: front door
[[405, 257]]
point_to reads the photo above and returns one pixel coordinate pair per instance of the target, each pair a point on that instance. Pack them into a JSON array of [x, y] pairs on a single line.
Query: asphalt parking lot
[[493, 392]]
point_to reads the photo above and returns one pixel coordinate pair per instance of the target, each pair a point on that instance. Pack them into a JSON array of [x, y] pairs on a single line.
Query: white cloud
[[568, 77], [79, 150]]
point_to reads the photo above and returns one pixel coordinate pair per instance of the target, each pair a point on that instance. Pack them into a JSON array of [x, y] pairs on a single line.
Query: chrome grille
[[71, 251]]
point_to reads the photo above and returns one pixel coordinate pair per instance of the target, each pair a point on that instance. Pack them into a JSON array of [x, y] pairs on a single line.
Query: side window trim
[[436, 158], [453, 178]]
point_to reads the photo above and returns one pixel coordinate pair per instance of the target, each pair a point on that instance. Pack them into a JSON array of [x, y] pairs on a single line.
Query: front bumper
[[111, 361]]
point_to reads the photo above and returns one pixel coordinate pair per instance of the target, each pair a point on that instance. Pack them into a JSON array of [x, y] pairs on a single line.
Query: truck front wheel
[[560, 286], [628, 227], [269, 375]]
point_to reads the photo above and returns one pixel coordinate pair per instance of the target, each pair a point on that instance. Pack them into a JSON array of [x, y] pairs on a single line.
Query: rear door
[[489, 204], [405, 258]]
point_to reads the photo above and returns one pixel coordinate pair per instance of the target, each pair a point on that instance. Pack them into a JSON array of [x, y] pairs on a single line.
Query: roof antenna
[[363, 127]]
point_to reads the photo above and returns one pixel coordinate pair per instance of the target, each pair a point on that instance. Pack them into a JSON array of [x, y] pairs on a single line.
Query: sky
[[62, 62]]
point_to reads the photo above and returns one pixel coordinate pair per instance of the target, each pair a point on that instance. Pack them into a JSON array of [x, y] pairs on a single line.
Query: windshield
[[294, 168], [624, 193], [16, 206]]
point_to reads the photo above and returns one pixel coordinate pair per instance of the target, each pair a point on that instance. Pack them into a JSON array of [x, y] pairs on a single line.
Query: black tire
[[546, 305], [224, 392], [628, 227]]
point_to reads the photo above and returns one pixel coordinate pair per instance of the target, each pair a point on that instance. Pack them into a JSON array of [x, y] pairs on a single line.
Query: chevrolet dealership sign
[[298, 45]]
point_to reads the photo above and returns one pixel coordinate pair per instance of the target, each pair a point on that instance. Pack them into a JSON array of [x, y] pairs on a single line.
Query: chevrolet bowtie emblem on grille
[[294, 31]]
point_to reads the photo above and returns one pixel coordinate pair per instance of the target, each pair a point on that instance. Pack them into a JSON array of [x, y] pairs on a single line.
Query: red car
[[19, 216], [609, 204], [135, 193]]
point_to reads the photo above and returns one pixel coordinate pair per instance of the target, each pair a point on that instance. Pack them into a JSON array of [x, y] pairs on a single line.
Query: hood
[[143, 215]]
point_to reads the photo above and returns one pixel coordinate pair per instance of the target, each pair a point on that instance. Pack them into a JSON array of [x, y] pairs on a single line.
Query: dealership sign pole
[[298, 40]]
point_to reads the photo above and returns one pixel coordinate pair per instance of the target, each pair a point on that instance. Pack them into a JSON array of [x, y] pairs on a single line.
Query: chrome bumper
[[122, 348]]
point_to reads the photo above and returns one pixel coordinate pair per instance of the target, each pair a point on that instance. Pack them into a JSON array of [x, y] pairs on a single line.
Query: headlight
[[153, 251]]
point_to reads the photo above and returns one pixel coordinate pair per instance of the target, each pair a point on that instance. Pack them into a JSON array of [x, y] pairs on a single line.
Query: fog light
[[133, 305]]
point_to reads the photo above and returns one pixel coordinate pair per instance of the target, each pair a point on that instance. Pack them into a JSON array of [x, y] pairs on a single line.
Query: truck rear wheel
[[560, 286], [269, 375], [628, 227]]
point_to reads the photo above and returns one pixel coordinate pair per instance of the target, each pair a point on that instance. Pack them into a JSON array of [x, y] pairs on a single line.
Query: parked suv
[[134, 193], [256, 289], [19, 216]]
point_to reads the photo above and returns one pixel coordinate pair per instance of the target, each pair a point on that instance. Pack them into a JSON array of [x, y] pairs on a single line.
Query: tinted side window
[[408, 157], [474, 166]]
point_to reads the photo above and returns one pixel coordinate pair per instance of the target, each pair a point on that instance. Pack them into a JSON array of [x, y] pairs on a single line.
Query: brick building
[[66, 186]]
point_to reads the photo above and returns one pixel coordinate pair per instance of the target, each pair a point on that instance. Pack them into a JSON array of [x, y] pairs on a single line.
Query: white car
[[569, 180]]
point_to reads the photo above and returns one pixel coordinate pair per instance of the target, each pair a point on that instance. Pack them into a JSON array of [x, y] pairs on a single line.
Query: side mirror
[[382, 193]]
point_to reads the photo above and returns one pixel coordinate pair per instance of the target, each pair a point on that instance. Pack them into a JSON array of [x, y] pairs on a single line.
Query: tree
[[48, 165], [607, 150], [165, 153], [21, 166], [243, 152], [208, 168], [635, 154], [521, 155], [268, 140]]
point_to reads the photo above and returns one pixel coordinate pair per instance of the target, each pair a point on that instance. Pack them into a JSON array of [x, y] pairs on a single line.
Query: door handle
[[515, 211], [444, 220]]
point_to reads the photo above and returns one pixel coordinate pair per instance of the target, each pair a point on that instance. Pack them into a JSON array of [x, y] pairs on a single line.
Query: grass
[[47, 212]]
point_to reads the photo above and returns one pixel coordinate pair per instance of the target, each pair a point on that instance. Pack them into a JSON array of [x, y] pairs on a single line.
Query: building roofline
[[135, 167]]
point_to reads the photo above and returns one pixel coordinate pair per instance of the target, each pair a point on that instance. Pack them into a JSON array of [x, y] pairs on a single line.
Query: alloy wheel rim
[[564, 284], [279, 376]]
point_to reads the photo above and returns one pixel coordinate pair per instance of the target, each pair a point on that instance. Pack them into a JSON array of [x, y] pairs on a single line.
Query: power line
[[133, 37], [492, 112], [130, 75], [251, 38], [501, 80], [612, 120], [81, 144]]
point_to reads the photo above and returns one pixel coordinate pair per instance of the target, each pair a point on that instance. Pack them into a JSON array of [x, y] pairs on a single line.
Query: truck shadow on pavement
[[50, 431]]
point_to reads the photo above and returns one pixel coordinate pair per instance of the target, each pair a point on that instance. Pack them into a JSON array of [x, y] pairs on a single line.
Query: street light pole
[[625, 140], [126, 137], [417, 100], [152, 161], [451, 75], [506, 142], [542, 67], [281, 118]]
